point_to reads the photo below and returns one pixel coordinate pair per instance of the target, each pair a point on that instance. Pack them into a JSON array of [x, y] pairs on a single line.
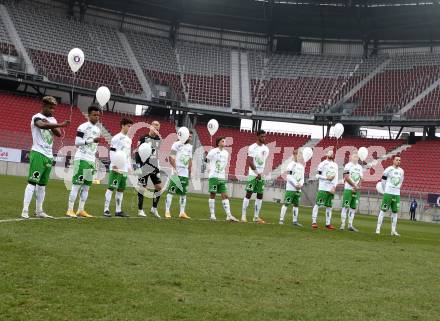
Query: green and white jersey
[[42, 139], [327, 168], [183, 154], [259, 154], [355, 171], [295, 176], [218, 161], [394, 180], [122, 142], [87, 132]]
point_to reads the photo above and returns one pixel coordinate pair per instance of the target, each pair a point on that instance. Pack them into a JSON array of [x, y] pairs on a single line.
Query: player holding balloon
[[43, 127], [353, 173], [150, 169], [294, 183], [119, 168], [392, 180], [181, 162], [328, 179], [86, 141], [218, 159], [256, 161]]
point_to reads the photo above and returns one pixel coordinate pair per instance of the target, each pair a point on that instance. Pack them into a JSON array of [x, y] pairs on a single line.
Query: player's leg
[[181, 191], [213, 188], [223, 189], [77, 181], [113, 183], [346, 200], [328, 211], [171, 190], [40, 189], [35, 170], [259, 190], [119, 196], [88, 170], [353, 206], [295, 208], [142, 184], [157, 182], [250, 186], [320, 199], [385, 205], [395, 208], [288, 198]]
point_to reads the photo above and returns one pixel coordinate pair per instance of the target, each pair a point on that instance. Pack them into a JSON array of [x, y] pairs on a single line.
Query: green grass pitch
[[144, 269]]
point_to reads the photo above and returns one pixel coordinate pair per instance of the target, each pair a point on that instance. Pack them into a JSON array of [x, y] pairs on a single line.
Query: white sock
[[28, 193], [118, 198], [315, 213], [182, 203], [83, 197], [328, 215], [212, 207], [351, 217], [108, 199], [295, 214], [283, 212], [258, 204], [168, 202], [393, 222], [226, 207], [343, 216], [244, 208], [379, 220], [72, 196], [40, 193]]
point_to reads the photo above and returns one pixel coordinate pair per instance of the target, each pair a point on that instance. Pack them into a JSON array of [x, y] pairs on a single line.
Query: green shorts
[[178, 185], [292, 197], [255, 185], [217, 185], [83, 172], [324, 198], [390, 201], [350, 199], [117, 180], [39, 168]]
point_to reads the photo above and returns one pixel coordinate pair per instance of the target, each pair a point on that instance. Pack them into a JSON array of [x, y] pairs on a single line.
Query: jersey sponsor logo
[[47, 136], [356, 177], [395, 180], [219, 166], [259, 161], [184, 159]]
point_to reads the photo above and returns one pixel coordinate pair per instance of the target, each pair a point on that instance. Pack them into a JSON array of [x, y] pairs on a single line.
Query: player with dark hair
[[256, 162], [43, 127], [86, 141], [150, 169], [218, 159], [117, 178]]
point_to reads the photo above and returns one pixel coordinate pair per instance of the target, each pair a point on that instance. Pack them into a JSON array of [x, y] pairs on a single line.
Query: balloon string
[[63, 131]]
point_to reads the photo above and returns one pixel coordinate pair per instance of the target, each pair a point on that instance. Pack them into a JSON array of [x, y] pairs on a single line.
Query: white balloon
[[103, 95], [75, 58], [212, 126], [363, 153], [119, 159], [183, 134], [338, 130], [379, 188], [307, 154], [144, 151]]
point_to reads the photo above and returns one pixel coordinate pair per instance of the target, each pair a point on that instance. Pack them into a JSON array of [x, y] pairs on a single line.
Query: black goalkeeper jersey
[[155, 146]]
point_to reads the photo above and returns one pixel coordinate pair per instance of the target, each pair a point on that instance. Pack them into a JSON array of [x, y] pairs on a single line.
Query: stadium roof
[[332, 19]]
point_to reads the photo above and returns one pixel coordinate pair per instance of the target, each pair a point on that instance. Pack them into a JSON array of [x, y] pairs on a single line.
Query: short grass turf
[[144, 269]]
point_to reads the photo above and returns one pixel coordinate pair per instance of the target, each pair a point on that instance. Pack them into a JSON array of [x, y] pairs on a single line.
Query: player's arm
[[319, 172], [44, 124], [385, 177], [209, 156], [172, 158], [190, 164]]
